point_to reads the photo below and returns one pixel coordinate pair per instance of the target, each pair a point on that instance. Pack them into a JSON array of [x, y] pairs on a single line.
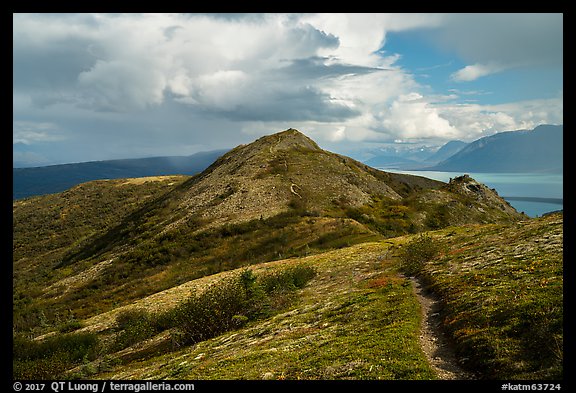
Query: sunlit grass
[[503, 293]]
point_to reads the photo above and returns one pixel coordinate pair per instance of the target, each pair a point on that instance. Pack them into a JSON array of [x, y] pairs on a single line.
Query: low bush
[[226, 305], [216, 310], [231, 303], [417, 252], [52, 357], [289, 278], [136, 326], [70, 326]]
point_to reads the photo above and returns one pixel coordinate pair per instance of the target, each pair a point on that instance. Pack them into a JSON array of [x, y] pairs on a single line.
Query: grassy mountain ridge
[[280, 197], [357, 318], [45, 229], [283, 173]]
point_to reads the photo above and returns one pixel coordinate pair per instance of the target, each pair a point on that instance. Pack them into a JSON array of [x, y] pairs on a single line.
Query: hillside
[[537, 150], [45, 228], [51, 179], [502, 293], [106, 246], [358, 319]]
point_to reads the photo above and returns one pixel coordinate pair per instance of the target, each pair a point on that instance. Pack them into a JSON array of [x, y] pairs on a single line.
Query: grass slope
[[46, 228], [502, 287], [356, 319]]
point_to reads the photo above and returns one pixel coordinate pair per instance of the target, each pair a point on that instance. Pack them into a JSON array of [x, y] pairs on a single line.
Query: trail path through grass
[[435, 345]]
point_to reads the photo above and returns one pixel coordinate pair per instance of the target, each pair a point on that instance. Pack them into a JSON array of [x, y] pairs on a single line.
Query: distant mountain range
[[392, 161], [57, 178], [414, 157], [446, 151], [396, 156], [538, 150]]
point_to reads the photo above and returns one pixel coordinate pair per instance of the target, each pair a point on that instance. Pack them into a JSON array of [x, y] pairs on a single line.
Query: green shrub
[[70, 326], [211, 313], [232, 302], [289, 278], [438, 218], [301, 274], [417, 252], [136, 326], [226, 305], [255, 302], [52, 357]]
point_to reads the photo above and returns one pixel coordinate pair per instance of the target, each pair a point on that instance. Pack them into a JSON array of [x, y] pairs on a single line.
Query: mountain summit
[[265, 177], [277, 197], [287, 173]]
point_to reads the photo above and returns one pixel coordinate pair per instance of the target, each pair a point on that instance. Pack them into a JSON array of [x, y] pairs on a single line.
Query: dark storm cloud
[[54, 66], [506, 38], [303, 104]]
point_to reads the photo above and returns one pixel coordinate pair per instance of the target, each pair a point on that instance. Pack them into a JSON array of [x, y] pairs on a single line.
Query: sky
[[92, 87]]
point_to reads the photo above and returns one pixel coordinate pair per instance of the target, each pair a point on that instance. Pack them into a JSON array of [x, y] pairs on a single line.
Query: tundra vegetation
[[281, 261]]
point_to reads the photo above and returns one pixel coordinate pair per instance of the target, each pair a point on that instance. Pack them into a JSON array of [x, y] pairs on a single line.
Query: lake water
[[531, 193]]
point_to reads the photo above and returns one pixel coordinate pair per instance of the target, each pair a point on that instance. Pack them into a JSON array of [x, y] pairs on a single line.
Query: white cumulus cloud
[[475, 71], [411, 116]]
